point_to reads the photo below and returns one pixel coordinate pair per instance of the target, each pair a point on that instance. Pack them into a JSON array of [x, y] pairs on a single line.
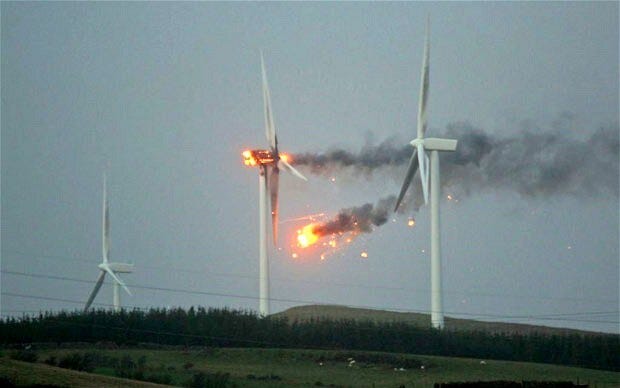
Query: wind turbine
[[269, 162], [106, 266], [419, 159]]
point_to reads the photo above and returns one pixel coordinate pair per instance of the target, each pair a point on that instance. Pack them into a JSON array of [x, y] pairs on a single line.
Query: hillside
[[334, 312], [24, 374]]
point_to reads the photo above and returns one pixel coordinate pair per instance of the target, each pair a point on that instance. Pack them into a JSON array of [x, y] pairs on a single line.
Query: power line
[[547, 317], [336, 284]]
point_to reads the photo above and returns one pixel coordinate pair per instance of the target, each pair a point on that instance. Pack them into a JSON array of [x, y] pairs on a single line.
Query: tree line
[[234, 328]]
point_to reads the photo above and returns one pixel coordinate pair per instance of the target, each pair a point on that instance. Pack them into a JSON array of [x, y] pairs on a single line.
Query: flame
[[285, 157], [306, 236], [248, 158]]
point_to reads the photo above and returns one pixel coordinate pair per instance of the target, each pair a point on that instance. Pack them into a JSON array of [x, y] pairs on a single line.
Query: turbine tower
[[419, 159], [269, 162], [106, 266]]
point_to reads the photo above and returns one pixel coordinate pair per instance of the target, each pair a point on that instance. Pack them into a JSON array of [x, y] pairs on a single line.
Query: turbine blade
[[424, 84], [423, 161], [105, 238], [116, 278], [291, 169], [274, 178], [95, 291], [413, 166], [270, 129]]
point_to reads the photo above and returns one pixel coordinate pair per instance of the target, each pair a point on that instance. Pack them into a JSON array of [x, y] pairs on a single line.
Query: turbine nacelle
[[117, 267], [259, 157], [435, 144]]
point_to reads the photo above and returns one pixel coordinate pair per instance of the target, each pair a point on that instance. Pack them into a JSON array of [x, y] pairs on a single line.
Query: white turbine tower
[[421, 146], [269, 162], [106, 266]]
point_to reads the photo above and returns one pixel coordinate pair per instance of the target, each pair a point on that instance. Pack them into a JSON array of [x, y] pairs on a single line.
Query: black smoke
[[533, 163], [359, 219]]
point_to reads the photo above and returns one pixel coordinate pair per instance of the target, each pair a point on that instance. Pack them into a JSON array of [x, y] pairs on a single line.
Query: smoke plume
[[533, 164], [358, 219]]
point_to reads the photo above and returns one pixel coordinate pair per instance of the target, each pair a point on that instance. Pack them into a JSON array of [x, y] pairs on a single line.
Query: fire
[[248, 158], [364, 254], [285, 157], [411, 222], [306, 236]]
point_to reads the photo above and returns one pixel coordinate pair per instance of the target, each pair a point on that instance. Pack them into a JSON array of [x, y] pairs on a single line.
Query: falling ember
[[411, 222], [333, 179], [332, 243], [306, 236], [294, 255], [364, 254], [449, 197], [322, 256]]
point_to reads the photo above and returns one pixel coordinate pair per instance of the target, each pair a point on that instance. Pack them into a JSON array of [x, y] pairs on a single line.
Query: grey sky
[[167, 95]]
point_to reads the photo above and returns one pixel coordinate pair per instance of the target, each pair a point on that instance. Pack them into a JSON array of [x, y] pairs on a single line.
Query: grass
[[286, 367], [334, 312], [26, 374]]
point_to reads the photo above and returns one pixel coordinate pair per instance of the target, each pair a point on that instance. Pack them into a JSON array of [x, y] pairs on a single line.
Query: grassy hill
[[26, 374], [286, 368], [333, 312]]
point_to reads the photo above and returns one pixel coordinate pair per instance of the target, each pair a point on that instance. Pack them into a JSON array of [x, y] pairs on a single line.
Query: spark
[[311, 217], [285, 157], [294, 255], [411, 222], [364, 254], [332, 243], [333, 179], [449, 197]]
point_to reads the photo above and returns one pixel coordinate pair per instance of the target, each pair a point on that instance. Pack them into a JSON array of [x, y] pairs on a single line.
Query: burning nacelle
[[258, 157]]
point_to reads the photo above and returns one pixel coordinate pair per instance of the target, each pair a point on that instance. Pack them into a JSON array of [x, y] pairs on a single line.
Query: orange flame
[[248, 158], [306, 236], [285, 157]]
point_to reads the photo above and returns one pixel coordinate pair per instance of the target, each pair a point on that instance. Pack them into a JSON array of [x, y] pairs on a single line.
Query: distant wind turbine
[[106, 266], [269, 162], [419, 159]]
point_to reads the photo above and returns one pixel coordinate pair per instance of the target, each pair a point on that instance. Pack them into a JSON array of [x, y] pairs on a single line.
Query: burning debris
[[354, 220]]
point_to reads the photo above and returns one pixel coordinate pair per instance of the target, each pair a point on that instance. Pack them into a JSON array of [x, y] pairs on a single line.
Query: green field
[[285, 368]]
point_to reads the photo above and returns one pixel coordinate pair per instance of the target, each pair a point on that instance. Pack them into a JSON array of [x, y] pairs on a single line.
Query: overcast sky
[[166, 96]]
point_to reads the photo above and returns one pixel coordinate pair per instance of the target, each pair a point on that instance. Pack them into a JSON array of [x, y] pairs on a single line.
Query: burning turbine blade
[[273, 192]]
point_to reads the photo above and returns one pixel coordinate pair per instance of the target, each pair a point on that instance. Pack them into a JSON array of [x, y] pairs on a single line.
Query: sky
[[165, 96]]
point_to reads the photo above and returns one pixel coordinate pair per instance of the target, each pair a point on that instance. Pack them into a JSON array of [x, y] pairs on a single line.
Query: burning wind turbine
[[270, 162]]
